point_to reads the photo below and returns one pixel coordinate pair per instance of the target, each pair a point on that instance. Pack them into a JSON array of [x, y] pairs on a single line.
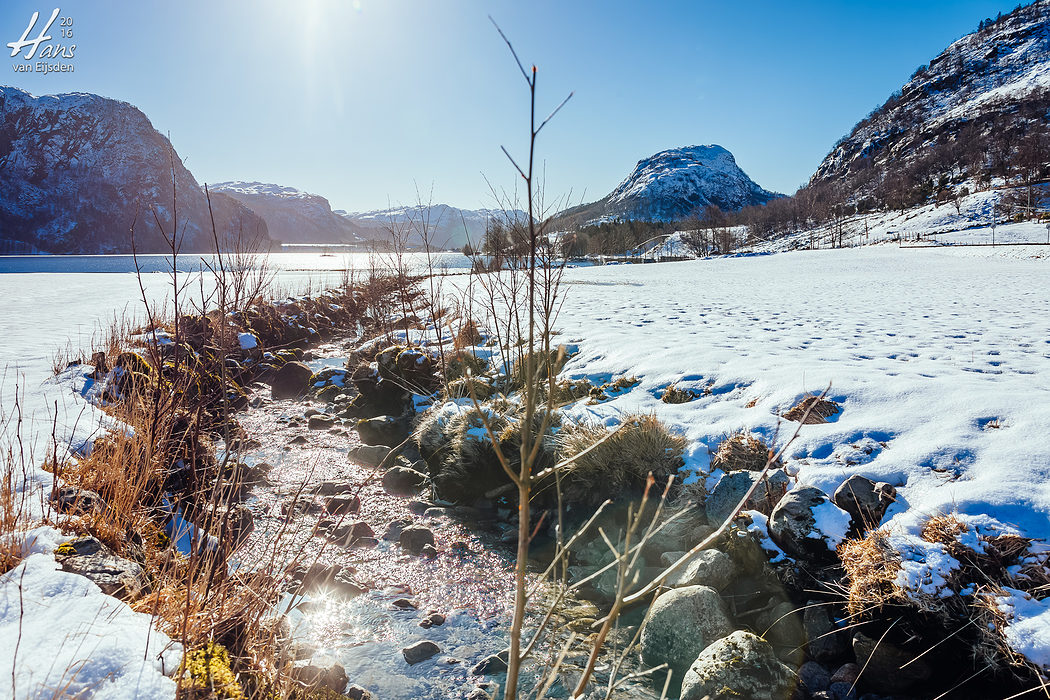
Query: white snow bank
[[59, 631], [940, 363], [1028, 626]]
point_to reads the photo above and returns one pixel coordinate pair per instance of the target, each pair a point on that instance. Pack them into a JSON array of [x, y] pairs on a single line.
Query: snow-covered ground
[[939, 360]]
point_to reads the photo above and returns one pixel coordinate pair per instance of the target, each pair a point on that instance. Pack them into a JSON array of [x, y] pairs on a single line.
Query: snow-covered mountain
[[449, 227], [292, 215], [79, 169], [674, 184], [966, 109]]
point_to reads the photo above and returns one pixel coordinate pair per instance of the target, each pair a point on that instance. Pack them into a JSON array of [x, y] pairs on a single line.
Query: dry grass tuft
[[672, 394], [819, 410], [619, 465], [871, 566], [743, 451]]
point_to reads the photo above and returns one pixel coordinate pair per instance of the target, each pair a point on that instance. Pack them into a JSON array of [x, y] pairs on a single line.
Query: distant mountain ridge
[[673, 184], [78, 170], [450, 227], [292, 215]]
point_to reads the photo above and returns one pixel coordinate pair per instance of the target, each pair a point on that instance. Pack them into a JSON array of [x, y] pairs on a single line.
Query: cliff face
[[78, 170]]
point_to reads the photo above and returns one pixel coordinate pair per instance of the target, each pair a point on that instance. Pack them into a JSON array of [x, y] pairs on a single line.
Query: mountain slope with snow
[[673, 184], [966, 109], [292, 215], [449, 227], [80, 169]]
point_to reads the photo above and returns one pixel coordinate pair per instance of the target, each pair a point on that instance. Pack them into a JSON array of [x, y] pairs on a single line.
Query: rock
[[300, 505], [681, 623], [345, 585], [884, 665], [708, 567], [342, 504], [415, 537], [395, 528], [311, 412], [785, 632], [825, 644], [403, 481], [420, 651], [115, 575], [741, 665], [842, 691], [352, 532], [433, 619], [732, 487], [73, 501], [865, 500], [479, 693], [604, 586], [291, 380], [496, 663], [814, 677], [417, 507], [846, 673], [321, 422], [404, 604], [331, 677], [356, 692], [429, 551], [368, 455], [435, 512], [807, 525], [297, 440], [384, 430]]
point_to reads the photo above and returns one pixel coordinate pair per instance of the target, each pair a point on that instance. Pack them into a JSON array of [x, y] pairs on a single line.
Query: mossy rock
[[207, 669]]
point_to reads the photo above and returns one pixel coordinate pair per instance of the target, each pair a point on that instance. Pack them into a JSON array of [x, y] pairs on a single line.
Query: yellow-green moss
[[66, 549], [208, 668]]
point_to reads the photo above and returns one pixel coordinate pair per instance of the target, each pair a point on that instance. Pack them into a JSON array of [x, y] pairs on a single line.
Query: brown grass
[[619, 465], [820, 410], [871, 566], [672, 394], [743, 451]]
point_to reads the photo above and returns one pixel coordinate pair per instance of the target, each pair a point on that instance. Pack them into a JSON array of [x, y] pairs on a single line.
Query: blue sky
[[360, 101]]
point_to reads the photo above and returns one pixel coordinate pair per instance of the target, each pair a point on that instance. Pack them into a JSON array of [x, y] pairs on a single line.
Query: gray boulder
[[415, 537], [384, 430], [826, 642], [115, 575], [368, 455], [740, 665], [291, 380], [886, 667], [807, 525], [74, 501], [420, 651], [708, 567], [732, 487], [682, 622], [321, 422], [404, 481], [865, 500]]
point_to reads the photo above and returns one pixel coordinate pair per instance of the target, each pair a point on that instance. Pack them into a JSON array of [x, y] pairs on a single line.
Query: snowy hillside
[[673, 184], [451, 227], [78, 168], [982, 87], [292, 215]]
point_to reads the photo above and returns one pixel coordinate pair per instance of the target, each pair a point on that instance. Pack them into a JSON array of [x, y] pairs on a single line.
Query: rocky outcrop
[[79, 170], [741, 665]]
